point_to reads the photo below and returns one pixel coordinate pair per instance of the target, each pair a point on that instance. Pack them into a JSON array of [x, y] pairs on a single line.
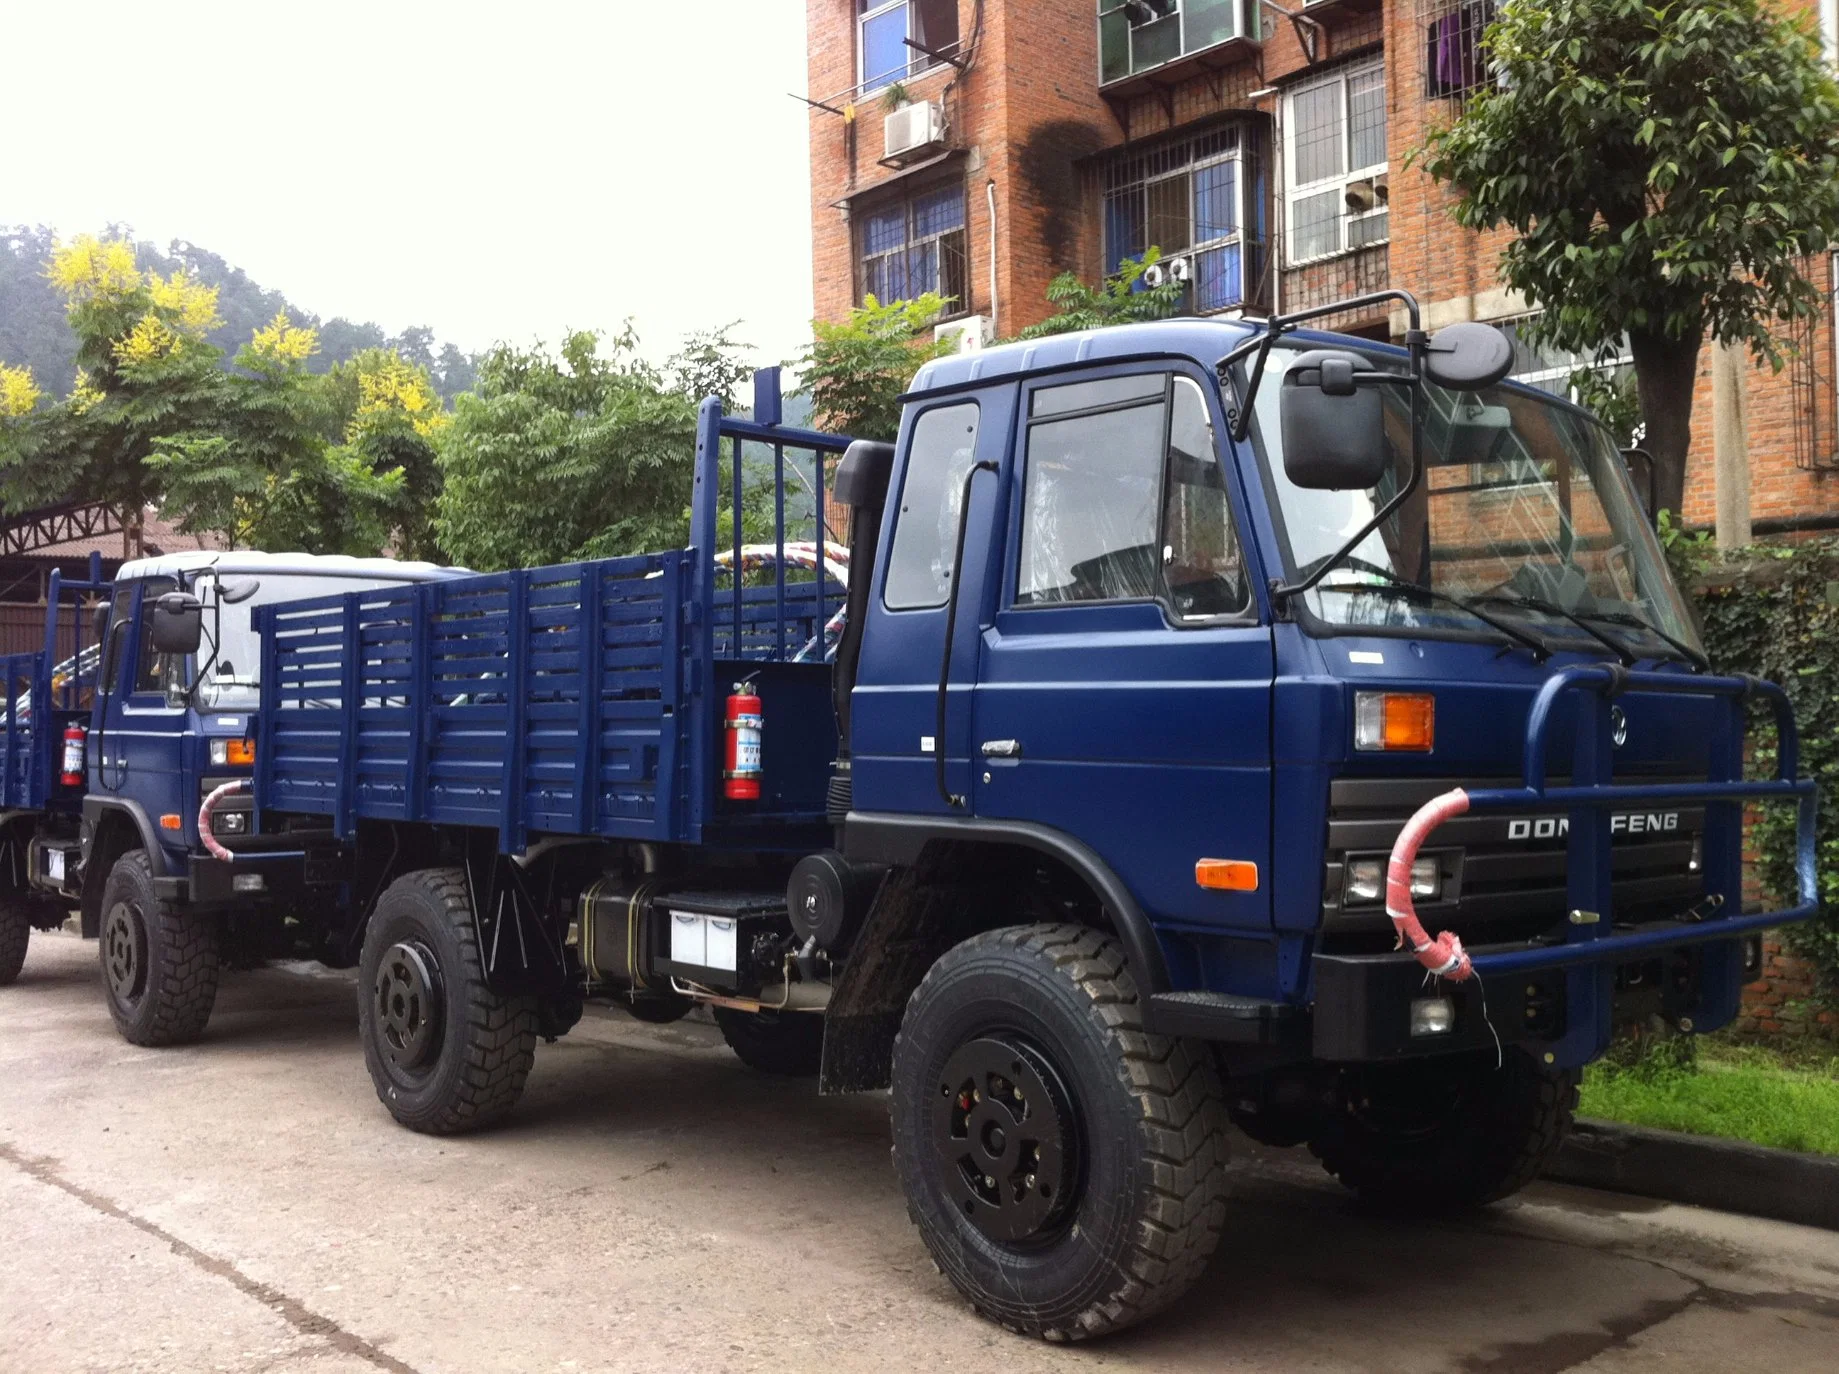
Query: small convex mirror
[[1334, 435], [233, 591], [178, 623], [1468, 357]]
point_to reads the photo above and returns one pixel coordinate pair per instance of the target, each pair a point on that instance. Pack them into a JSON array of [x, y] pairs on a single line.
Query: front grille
[[1510, 866]]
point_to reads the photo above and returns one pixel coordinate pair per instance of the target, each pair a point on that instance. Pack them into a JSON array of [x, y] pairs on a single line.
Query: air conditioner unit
[[1369, 193], [968, 335], [1140, 12], [914, 129], [1178, 270]]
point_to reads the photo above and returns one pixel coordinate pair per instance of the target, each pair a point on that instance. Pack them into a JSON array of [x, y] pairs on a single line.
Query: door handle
[[1002, 748]]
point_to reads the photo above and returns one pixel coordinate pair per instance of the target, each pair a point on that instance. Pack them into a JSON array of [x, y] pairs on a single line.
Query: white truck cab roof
[[251, 562]]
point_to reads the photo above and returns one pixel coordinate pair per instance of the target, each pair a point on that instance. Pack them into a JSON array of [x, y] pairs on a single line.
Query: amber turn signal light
[[1227, 875], [241, 751], [1395, 722]]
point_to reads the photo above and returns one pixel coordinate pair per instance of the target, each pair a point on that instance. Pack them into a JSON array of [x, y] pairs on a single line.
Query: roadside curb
[[1702, 1171]]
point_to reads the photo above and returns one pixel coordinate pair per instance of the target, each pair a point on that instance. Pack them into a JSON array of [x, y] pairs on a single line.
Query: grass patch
[[1787, 1097]]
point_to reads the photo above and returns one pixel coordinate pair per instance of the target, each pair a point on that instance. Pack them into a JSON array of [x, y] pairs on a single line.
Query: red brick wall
[[1029, 116]]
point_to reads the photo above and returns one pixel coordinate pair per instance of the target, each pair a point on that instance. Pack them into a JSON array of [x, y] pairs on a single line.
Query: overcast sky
[[495, 171]]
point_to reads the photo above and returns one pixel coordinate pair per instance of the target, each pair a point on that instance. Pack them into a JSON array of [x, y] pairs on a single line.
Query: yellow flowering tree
[[263, 453], [145, 370], [267, 475]]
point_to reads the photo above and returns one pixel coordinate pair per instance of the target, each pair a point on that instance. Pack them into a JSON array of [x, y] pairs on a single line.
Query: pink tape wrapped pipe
[[204, 817], [1443, 956]]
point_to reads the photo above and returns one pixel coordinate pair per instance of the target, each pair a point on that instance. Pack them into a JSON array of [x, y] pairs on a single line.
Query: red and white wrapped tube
[[1443, 956], [217, 851]]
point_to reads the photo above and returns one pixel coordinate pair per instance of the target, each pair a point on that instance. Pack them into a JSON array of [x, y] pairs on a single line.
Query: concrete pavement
[[245, 1204]]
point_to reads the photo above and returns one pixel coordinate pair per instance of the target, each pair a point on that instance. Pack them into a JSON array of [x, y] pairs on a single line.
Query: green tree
[[263, 474], [1120, 298], [1666, 169], [710, 364], [555, 456], [855, 371]]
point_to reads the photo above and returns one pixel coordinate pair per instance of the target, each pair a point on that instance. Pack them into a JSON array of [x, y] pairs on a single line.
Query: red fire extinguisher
[[741, 758], [75, 737]]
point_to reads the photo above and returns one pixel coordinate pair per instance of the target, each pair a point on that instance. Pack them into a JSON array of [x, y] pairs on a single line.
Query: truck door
[[142, 735], [894, 712], [1124, 689]]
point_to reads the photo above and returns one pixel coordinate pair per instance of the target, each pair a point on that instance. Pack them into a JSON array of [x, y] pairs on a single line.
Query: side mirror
[[178, 623], [1334, 435], [236, 590], [1468, 357]]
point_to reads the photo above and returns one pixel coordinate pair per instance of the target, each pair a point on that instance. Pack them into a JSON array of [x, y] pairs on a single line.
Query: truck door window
[[1201, 558], [154, 671], [926, 527], [1091, 496], [116, 637]]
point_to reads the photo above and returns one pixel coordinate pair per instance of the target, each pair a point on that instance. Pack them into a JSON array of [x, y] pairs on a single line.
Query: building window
[[1335, 162], [883, 30], [1551, 369], [914, 246], [1135, 35], [1197, 201], [1455, 62]]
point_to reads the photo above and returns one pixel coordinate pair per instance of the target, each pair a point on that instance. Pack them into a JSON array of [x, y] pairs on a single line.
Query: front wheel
[[160, 964], [1065, 1167], [1445, 1136], [445, 1052]]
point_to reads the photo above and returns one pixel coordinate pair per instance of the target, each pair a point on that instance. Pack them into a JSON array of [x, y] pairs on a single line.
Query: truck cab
[[171, 723]]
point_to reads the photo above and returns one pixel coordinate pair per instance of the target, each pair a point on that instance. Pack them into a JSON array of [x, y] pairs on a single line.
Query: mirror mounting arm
[[1238, 421]]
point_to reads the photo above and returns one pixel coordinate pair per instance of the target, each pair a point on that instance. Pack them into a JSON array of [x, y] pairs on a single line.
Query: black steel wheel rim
[[1006, 1141], [124, 951], [407, 1002]]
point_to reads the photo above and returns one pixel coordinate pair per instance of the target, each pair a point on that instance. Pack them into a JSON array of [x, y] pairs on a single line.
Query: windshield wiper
[[1629, 618], [1533, 603], [1398, 586]]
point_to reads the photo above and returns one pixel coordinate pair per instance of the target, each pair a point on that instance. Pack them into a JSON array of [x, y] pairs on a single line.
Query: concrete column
[[1731, 443]]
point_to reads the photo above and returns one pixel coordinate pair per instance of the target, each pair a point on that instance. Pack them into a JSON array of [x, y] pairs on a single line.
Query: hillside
[[33, 331]]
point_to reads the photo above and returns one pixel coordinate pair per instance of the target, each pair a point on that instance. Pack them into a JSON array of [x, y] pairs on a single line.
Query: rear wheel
[[1441, 1136], [789, 1043], [160, 964], [1065, 1167], [15, 933], [446, 1053]]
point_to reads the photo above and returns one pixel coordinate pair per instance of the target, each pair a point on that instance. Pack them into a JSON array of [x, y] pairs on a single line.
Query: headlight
[[1697, 861], [1426, 880], [225, 752], [1366, 880]]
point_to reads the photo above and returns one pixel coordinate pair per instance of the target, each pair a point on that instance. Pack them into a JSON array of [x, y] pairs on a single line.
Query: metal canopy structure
[[28, 532]]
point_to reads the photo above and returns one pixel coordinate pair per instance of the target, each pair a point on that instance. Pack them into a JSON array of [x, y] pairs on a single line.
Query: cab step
[[1225, 1016]]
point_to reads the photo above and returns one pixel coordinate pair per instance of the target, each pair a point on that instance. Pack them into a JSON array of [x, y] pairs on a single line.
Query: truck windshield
[[229, 667], [1524, 514]]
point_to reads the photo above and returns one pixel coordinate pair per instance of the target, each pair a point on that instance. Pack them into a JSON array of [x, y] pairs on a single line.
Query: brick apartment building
[[978, 148]]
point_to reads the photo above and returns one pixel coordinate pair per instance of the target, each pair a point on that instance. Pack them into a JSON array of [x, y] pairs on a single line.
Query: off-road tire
[[1489, 1132], [787, 1043], [159, 963], [484, 1043], [1148, 1199], [15, 933]]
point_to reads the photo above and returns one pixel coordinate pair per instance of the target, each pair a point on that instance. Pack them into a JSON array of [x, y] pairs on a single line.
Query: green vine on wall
[[1774, 611]]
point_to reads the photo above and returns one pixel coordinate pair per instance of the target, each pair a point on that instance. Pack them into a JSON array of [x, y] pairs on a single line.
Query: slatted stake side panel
[[526, 701], [21, 785]]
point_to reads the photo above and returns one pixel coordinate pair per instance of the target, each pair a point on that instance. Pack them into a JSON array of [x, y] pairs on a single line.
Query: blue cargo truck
[[138, 705], [1181, 680]]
